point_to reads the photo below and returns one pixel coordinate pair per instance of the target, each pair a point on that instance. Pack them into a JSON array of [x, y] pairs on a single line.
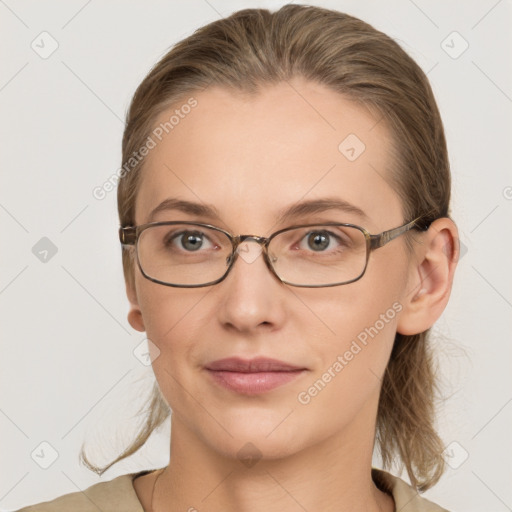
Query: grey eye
[[191, 241], [318, 241]]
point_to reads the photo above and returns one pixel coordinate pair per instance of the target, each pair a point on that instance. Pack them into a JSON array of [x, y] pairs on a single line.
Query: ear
[[430, 277], [135, 314]]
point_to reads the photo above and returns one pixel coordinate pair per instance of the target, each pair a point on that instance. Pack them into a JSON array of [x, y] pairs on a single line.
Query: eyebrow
[[299, 209]]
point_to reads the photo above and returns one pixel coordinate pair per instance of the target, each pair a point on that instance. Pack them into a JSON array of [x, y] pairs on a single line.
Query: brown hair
[[255, 47]]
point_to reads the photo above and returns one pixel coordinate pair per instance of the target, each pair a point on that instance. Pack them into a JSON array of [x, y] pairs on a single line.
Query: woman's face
[[251, 158]]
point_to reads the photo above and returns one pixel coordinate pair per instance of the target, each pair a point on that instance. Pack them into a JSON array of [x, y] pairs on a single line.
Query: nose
[[251, 296]]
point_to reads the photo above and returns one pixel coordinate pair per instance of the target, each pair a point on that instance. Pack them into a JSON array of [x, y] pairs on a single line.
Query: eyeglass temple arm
[[383, 238], [128, 235]]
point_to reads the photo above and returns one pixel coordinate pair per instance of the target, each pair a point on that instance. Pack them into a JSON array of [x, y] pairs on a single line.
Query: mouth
[[254, 376]]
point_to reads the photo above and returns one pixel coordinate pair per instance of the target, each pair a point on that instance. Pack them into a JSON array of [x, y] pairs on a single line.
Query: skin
[[250, 157]]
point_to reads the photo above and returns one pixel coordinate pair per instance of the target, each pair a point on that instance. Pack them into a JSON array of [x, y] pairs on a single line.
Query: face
[[251, 158]]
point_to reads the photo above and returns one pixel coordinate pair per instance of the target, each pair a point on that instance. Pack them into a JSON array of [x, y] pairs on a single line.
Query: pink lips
[[254, 376]]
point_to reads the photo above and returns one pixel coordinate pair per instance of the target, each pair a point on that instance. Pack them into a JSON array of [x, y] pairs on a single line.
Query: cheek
[[174, 320], [352, 362], [361, 319], [361, 310], [166, 309], [172, 317]]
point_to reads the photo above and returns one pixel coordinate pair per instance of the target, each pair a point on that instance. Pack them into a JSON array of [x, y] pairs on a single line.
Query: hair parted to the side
[[255, 47]]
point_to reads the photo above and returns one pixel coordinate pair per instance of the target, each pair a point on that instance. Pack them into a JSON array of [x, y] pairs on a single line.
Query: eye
[[189, 241], [321, 241]]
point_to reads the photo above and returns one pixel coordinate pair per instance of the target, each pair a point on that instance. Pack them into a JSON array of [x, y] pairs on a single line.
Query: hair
[[253, 48]]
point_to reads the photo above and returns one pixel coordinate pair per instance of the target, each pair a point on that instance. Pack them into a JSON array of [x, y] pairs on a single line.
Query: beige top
[[118, 495]]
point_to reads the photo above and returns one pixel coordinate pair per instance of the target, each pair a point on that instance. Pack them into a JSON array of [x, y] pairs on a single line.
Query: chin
[[257, 434], [249, 448]]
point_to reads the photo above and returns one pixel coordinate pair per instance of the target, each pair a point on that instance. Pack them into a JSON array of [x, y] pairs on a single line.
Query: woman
[[284, 210]]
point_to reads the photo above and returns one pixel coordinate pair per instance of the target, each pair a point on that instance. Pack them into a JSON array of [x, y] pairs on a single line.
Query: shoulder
[[407, 499], [117, 494]]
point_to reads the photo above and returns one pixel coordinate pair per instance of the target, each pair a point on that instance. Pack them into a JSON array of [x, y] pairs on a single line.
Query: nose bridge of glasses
[[249, 252]]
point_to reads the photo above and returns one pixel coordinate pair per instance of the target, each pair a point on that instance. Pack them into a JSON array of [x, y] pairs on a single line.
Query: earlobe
[[431, 278], [134, 314]]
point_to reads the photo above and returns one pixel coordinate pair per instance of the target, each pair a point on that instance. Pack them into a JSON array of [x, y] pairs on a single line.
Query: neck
[[334, 475]]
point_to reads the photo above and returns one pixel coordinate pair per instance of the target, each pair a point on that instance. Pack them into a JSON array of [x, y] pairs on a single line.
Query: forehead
[[252, 155]]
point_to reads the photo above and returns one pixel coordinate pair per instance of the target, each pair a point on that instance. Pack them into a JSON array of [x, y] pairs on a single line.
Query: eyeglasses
[[191, 254]]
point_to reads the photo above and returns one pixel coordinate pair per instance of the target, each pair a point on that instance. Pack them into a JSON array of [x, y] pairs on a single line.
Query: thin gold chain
[[154, 487]]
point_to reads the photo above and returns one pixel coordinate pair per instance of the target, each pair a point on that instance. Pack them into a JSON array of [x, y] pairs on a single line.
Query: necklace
[[154, 487]]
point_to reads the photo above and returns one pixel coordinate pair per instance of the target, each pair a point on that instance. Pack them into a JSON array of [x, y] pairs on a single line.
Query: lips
[[254, 376], [260, 364]]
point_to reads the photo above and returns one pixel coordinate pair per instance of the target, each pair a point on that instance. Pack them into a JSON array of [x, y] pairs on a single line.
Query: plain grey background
[[70, 365]]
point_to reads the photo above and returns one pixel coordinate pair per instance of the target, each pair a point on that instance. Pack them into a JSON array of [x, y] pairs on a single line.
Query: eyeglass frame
[[129, 236]]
